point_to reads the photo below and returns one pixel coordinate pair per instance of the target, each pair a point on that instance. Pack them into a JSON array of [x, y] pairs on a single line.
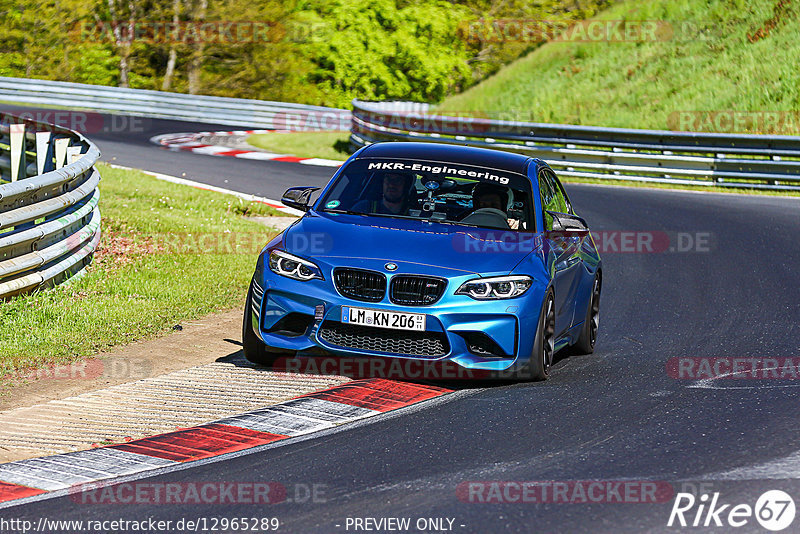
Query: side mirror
[[298, 197], [567, 222], [557, 226]]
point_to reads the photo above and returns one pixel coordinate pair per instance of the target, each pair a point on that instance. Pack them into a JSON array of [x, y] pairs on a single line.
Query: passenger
[[394, 196]]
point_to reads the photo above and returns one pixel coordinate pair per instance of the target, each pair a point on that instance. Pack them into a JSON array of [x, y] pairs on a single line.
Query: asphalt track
[[615, 415]]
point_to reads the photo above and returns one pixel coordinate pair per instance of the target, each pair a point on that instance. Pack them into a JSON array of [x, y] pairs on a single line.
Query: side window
[[548, 190], [561, 194], [559, 198]]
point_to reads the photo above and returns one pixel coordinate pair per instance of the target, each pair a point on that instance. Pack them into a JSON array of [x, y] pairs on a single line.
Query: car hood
[[459, 249]]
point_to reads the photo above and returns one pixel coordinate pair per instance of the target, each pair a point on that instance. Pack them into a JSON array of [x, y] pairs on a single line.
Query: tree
[[123, 18], [173, 51]]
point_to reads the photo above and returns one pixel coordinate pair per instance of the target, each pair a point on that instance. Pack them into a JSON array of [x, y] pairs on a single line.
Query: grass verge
[[327, 145], [169, 253]]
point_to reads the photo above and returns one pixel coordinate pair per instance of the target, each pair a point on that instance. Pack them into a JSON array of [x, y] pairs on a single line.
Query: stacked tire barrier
[[707, 159], [49, 215]]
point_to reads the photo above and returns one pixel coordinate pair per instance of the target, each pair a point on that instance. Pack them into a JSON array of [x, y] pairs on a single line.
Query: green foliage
[[377, 50], [705, 63], [318, 51], [95, 64]]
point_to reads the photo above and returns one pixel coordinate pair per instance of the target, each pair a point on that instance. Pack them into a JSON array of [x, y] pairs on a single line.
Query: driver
[[394, 196], [492, 196], [489, 196]]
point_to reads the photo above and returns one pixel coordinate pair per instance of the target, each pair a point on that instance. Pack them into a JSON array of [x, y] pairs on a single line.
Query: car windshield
[[434, 191]]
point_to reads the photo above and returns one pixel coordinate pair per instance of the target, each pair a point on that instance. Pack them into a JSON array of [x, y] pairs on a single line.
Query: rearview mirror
[[298, 197]]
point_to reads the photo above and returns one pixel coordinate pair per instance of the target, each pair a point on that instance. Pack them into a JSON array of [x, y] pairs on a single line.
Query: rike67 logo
[[774, 510]]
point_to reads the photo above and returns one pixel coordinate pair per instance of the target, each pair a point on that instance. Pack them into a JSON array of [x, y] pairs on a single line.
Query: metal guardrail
[[49, 219], [726, 160], [176, 106]]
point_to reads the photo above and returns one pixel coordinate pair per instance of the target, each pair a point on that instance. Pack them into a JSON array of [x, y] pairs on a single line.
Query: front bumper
[[305, 318]]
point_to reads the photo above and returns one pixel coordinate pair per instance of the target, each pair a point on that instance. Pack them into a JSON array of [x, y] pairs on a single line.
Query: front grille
[[357, 284], [400, 342], [416, 290]]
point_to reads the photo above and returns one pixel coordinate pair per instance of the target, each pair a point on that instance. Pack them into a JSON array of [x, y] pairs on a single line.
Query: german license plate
[[383, 318]]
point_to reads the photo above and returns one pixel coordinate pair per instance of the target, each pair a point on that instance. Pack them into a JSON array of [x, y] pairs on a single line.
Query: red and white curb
[[205, 187], [27, 480], [192, 142]]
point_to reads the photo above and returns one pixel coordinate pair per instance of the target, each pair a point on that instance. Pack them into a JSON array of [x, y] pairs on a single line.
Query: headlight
[[286, 264], [495, 288]]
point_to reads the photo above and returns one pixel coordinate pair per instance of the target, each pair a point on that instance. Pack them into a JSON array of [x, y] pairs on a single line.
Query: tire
[[538, 367], [254, 349], [588, 336]]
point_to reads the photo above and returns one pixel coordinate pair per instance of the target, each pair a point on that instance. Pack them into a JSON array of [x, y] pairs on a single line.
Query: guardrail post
[[61, 145], [44, 152], [18, 164], [73, 154]]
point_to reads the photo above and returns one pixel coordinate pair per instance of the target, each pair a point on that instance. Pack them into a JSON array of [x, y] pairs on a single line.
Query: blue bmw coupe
[[430, 252]]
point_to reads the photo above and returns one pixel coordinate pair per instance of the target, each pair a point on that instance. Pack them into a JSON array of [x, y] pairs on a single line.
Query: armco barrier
[[176, 106], [49, 219], [726, 160]]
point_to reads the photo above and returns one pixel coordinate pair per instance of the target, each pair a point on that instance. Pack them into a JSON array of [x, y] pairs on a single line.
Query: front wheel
[[541, 359], [588, 335], [254, 349]]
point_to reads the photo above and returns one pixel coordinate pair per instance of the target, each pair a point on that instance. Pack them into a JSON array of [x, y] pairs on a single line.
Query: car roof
[[482, 157]]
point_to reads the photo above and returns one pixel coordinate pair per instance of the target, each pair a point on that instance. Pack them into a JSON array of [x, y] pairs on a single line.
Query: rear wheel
[[588, 335], [541, 359], [254, 349]]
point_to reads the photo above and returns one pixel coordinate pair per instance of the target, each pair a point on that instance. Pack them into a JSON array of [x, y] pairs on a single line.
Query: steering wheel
[[490, 217]]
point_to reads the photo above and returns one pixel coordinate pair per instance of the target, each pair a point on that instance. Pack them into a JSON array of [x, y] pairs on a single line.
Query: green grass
[[147, 276], [643, 85], [328, 145]]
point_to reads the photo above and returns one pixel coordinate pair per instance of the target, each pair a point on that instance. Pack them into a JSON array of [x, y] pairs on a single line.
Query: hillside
[[709, 56]]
